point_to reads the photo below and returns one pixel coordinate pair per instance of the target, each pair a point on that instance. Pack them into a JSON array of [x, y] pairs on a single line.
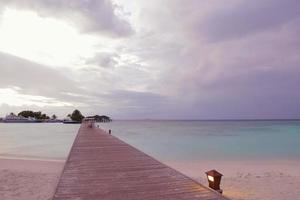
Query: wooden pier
[[102, 167]]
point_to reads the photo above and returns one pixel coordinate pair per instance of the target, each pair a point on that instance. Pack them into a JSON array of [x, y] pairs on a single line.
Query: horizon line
[[261, 119]]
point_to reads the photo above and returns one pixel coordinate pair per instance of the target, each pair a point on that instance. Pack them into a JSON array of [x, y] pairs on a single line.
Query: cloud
[[201, 59], [213, 59], [135, 105], [28, 85], [259, 94], [106, 60], [61, 112], [33, 78], [244, 18], [91, 16]]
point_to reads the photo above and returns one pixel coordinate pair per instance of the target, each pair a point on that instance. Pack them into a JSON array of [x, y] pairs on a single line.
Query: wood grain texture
[[102, 167]]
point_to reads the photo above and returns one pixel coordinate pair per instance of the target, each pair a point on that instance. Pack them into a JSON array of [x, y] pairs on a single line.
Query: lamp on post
[[214, 180]]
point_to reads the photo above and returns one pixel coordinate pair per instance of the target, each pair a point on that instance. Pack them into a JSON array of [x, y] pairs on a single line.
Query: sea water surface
[[165, 140], [36, 140]]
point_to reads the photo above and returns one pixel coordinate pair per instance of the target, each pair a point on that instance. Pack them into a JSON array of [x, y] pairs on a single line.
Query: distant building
[[12, 118]]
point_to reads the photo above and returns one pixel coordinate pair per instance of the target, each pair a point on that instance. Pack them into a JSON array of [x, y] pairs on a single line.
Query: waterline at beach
[[254, 166]]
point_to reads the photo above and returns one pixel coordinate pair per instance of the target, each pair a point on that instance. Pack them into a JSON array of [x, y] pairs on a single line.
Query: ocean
[[180, 141]]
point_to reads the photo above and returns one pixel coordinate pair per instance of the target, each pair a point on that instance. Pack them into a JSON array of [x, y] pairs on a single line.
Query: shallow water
[[212, 140], [165, 140], [36, 140]]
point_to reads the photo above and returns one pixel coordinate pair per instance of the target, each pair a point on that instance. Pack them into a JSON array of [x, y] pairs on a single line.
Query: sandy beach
[[250, 180], [28, 179], [267, 180]]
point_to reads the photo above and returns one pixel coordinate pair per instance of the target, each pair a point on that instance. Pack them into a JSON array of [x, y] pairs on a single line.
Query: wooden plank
[[100, 166]]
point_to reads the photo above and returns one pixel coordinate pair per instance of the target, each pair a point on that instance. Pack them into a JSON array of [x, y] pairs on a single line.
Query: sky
[[155, 59]]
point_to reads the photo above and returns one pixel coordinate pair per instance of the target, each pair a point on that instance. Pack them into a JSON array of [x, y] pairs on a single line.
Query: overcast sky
[[171, 59]]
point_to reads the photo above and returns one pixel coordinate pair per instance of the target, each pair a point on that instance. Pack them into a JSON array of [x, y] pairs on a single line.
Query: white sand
[[250, 180], [263, 180], [28, 179]]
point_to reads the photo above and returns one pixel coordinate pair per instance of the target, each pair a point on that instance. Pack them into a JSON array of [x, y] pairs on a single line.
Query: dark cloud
[[134, 105], [247, 17], [257, 94], [249, 70], [137, 99], [91, 16]]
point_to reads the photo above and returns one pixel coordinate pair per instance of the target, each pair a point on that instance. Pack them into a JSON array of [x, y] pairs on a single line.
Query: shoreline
[[31, 158]]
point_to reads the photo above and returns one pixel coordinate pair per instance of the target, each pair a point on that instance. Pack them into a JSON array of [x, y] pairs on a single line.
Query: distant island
[[28, 116], [101, 118]]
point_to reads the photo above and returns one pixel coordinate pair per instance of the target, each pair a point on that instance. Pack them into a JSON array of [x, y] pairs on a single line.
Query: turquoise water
[[212, 140], [165, 140]]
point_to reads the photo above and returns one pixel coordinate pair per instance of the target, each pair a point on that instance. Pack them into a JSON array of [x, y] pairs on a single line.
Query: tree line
[[36, 115], [76, 115]]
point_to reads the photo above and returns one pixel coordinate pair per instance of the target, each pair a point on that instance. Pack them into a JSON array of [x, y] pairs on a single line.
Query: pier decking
[[102, 167]]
